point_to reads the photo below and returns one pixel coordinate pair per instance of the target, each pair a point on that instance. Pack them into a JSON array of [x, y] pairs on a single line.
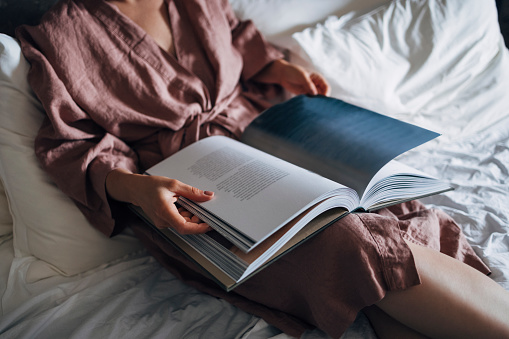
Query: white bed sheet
[[136, 298], [133, 298], [478, 168]]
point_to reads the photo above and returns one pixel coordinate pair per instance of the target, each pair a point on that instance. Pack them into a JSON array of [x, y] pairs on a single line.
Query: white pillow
[[47, 224], [278, 19], [437, 63]]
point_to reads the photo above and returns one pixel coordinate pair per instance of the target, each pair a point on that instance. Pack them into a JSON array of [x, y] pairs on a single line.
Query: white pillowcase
[[47, 224], [425, 62], [278, 19]]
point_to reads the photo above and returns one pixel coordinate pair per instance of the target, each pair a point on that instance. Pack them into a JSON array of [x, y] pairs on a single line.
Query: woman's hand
[[293, 78], [299, 81], [157, 197]]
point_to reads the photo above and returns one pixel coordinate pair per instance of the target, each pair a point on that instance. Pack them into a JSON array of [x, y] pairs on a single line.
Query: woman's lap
[[327, 280]]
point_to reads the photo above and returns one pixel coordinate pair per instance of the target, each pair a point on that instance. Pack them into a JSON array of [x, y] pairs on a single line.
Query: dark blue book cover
[[340, 141]]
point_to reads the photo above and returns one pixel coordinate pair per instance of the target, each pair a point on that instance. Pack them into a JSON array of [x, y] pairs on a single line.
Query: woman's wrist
[[122, 185], [272, 73]]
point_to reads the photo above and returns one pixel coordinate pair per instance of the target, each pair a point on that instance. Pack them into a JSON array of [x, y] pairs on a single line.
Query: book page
[[397, 182], [342, 142], [392, 168], [254, 192]]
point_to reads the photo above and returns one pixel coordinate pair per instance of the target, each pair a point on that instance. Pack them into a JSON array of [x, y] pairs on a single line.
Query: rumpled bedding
[[135, 298]]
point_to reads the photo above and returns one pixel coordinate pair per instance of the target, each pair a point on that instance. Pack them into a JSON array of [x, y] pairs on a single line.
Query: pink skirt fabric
[[328, 279]]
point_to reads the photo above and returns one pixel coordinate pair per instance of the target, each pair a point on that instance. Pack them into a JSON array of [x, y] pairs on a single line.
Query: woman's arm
[[293, 78], [157, 196]]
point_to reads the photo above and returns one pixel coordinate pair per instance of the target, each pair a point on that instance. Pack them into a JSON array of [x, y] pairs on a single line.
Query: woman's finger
[[322, 85], [186, 214], [170, 216], [195, 219], [190, 192]]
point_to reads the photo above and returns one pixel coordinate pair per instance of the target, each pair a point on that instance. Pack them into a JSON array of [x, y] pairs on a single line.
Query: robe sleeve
[[255, 50], [75, 151]]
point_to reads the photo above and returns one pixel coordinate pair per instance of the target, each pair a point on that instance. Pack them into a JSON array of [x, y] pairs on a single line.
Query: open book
[[300, 166]]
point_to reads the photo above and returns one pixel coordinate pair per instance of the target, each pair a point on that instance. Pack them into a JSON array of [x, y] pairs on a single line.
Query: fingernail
[[208, 193]]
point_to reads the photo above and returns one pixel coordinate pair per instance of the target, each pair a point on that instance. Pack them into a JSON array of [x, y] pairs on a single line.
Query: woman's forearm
[[293, 78], [272, 73]]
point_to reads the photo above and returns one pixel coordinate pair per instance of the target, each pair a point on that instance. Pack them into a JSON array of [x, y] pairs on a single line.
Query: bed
[[442, 65]]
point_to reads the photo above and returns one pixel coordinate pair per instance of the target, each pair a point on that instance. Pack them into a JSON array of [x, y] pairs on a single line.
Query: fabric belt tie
[[194, 128]]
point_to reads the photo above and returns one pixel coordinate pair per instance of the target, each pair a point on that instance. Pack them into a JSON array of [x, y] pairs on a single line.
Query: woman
[[127, 83]]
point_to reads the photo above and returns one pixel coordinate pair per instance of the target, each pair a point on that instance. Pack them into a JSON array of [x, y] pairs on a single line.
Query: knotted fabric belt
[[192, 131]]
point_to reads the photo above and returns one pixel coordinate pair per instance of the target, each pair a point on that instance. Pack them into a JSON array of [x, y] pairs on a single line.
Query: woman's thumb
[[192, 193]]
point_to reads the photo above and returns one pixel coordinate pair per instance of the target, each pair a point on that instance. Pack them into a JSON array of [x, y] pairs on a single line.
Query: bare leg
[[387, 327], [453, 301]]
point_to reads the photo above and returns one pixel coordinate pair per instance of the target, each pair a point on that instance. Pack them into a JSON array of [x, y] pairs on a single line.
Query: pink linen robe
[[115, 99]]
